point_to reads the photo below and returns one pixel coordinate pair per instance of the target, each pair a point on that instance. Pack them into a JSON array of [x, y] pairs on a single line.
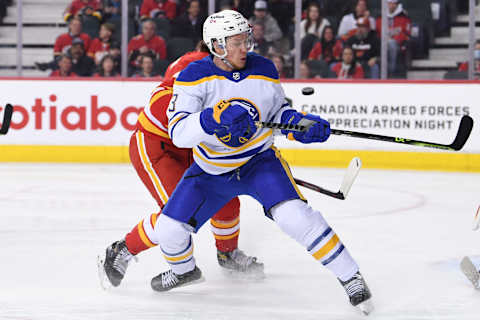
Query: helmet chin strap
[[223, 58]]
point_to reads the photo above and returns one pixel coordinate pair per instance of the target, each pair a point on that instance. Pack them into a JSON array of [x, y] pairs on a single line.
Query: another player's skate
[[113, 265], [469, 270], [168, 280], [238, 262], [358, 293]]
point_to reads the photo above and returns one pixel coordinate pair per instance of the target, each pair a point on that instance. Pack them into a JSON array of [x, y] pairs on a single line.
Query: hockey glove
[[318, 129], [225, 119]]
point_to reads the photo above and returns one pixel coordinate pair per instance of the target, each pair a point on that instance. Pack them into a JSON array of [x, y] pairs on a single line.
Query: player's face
[[237, 49]]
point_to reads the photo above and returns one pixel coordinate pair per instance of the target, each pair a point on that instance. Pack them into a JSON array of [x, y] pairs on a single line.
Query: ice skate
[[237, 263], [358, 293], [469, 270], [168, 280], [113, 265]]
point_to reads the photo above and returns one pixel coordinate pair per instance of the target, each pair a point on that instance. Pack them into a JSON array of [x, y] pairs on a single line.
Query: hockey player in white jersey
[[213, 110]]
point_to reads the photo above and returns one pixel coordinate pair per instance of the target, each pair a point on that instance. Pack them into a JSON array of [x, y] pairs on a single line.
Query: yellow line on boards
[[438, 161]]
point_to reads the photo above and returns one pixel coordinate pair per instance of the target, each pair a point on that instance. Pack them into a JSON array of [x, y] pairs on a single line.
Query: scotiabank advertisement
[[73, 112], [103, 113]]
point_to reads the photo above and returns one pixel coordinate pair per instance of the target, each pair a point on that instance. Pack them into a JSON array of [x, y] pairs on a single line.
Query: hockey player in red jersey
[[160, 165]]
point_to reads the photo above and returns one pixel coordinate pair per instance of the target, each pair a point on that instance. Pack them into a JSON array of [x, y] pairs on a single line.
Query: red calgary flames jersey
[[153, 119]]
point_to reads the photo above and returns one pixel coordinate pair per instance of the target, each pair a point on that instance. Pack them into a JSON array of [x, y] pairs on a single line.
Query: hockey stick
[[464, 130], [348, 179], [476, 219], [7, 118]]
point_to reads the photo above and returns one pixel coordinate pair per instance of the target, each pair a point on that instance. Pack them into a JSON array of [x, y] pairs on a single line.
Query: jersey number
[[172, 103]]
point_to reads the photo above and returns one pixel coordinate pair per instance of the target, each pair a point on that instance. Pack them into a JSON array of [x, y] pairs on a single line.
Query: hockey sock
[[142, 235], [309, 228], [176, 244], [226, 234], [225, 225]]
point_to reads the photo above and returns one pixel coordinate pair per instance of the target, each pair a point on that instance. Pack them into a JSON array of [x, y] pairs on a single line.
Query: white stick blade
[[476, 219], [470, 271], [350, 175]]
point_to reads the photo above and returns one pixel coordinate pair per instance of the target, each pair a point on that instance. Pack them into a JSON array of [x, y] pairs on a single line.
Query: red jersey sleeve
[[316, 52], [153, 118]]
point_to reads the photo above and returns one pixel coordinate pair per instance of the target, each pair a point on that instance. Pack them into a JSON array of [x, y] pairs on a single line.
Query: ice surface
[[407, 229]]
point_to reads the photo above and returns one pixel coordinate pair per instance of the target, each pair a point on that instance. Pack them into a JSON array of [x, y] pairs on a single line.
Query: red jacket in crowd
[[78, 5], [343, 73], [399, 25], [56, 73], [150, 8], [156, 44], [64, 42], [328, 56]]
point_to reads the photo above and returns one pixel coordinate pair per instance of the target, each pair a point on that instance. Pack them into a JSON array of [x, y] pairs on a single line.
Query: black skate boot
[[358, 293], [168, 280], [238, 262], [113, 265]]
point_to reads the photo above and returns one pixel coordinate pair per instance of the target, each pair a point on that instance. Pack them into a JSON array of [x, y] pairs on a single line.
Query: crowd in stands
[[339, 38], [3, 9]]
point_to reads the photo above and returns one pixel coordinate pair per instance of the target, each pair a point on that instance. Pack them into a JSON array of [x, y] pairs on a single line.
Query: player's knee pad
[[172, 235], [299, 221]]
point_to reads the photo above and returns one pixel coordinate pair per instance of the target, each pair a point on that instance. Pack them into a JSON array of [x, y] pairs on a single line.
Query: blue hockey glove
[[228, 120], [318, 128]]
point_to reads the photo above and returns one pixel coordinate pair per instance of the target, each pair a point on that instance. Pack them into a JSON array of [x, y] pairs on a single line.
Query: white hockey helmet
[[223, 24]]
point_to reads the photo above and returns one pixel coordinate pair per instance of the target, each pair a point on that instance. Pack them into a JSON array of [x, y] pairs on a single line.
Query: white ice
[[408, 231]]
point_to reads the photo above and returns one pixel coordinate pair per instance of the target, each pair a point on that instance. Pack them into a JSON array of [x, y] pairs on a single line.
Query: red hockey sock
[[138, 240]]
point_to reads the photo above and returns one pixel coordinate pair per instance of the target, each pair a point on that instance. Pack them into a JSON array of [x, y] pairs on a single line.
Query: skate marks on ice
[[57, 231]]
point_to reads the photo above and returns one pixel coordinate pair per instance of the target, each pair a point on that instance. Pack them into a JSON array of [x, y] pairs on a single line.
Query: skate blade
[[366, 307], [102, 276], [469, 270], [199, 280]]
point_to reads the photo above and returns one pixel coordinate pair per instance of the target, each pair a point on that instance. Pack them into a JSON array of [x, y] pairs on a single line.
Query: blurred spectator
[[3, 10], [314, 23], [261, 15], [282, 11], [349, 21], [261, 45], [64, 41], [116, 54], [225, 5], [87, 7], [348, 68], [112, 9], [145, 43], [65, 67], [245, 7], [279, 63], [304, 71], [366, 47], [190, 23], [158, 9], [146, 67], [107, 67], [464, 66], [101, 45], [328, 48], [399, 29], [83, 65]]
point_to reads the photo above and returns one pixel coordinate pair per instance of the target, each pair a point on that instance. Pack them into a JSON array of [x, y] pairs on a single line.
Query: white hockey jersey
[[202, 85]]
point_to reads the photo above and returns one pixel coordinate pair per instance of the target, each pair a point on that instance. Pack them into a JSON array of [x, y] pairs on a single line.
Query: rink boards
[[87, 120]]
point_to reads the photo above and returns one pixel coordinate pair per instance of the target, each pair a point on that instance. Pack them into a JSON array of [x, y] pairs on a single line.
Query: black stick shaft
[[7, 118], [464, 130], [311, 186]]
